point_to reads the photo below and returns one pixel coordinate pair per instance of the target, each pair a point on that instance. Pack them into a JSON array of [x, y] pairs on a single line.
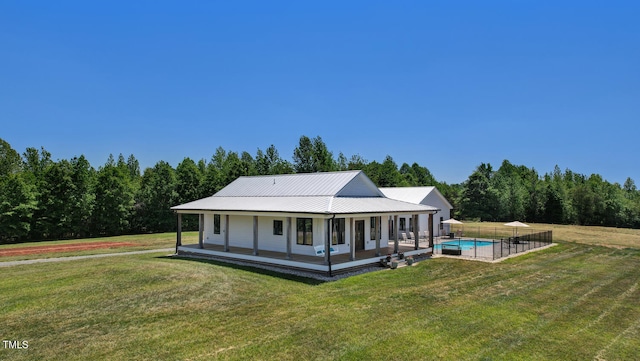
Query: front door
[[359, 235]]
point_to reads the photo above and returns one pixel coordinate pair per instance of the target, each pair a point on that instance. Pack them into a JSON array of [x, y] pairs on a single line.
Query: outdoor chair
[[404, 237], [412, 236]]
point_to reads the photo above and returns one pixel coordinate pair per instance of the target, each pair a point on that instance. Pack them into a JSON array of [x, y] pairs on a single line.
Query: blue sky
[[446, 84]]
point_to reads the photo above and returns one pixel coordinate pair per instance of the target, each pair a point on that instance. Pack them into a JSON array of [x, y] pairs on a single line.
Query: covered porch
[[337, 262]]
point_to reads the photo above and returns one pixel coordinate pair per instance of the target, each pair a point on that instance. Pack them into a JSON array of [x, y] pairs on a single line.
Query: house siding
[[241, 234]]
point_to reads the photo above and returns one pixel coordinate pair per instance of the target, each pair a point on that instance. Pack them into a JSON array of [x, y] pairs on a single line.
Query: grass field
[[575, 301], [141, 242]]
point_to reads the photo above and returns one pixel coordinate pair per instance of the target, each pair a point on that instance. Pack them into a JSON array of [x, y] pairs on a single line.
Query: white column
[[327, 240], [226, 233], [201, 230], [431, 230], [179, 233], [396, 227], [289, 238], [352, 241], [416, 229], [377, 230], [255, 235]]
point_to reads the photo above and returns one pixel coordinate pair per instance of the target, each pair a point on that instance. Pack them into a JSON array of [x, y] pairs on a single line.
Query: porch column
[[201, 230], [288, 237], [430, 230], [255, 235], [226, 233], [327, 238], [179, 233], [352, 242], [396, 227], [416, 222], [377, 230]]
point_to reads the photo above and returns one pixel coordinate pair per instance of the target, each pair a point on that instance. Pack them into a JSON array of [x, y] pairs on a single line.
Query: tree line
[[45, 199]]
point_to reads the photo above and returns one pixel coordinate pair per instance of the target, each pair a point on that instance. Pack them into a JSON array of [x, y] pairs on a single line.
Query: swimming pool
[[465, 244]]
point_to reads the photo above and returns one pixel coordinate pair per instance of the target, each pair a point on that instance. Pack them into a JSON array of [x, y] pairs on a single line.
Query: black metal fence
[[492, 249]]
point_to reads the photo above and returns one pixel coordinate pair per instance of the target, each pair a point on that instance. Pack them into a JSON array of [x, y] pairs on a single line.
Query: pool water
[[465, 244]]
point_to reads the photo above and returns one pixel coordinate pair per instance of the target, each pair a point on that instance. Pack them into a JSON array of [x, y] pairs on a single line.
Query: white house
[[302, 220], [422, 195]]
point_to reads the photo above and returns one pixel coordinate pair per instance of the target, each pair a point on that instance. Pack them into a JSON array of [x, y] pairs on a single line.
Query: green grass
[[569, 302], [141, 242]]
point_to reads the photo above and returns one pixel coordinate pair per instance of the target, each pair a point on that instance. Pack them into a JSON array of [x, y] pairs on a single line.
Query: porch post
[[327, 242], [179, 233], [396, 227], [288, 237], [226, 233], [430, 230], [255, 235], [352, 242], [417, 230], [377, 230], [201, 230]]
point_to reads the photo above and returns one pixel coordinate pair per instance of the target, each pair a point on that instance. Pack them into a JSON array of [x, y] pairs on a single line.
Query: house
[[311, 221], [427, 196]]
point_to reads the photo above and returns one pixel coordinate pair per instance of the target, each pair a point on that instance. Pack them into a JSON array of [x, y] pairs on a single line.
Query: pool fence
[[490, 248]]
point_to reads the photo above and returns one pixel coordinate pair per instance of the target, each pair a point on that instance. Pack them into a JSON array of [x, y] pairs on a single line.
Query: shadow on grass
[[311, 280]]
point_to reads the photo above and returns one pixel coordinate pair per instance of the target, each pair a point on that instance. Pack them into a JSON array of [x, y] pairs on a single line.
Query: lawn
[[140, 242], [570, 302]]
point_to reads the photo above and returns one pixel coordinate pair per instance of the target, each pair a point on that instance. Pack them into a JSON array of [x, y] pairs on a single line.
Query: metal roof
[[349, 183], [350, 192], [318, 205], [413, 194]]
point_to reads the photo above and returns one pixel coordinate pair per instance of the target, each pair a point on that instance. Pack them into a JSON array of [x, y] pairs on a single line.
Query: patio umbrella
[[452, 221], [516, 224]]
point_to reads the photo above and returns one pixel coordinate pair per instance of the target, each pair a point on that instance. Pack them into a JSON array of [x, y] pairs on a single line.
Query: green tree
[[188, 188], [35, 164], [55, 201], [322, 157], [17, 205], [156, 197], [10, 161], [188, 181], [269, 162], [357, 162], [82, 200], [303, 156], [478, 199], [385, 174], [114, 200]]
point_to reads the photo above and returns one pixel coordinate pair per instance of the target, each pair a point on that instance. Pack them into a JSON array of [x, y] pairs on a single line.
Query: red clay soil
[[62, 248]]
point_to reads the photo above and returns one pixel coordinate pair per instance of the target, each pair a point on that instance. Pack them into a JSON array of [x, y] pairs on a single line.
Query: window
[[304, 228], [411, 224], [441, 224], [216, 224], [372, 228], [374, 225], [403, 223], [338, 231], [277, 227], [391, 229]]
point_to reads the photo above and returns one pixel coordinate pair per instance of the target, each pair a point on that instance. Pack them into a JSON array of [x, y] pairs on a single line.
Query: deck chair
[[404, 237], [412, 236]]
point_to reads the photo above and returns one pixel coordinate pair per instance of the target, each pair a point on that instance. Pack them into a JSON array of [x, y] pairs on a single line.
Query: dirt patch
[[62, 248]]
